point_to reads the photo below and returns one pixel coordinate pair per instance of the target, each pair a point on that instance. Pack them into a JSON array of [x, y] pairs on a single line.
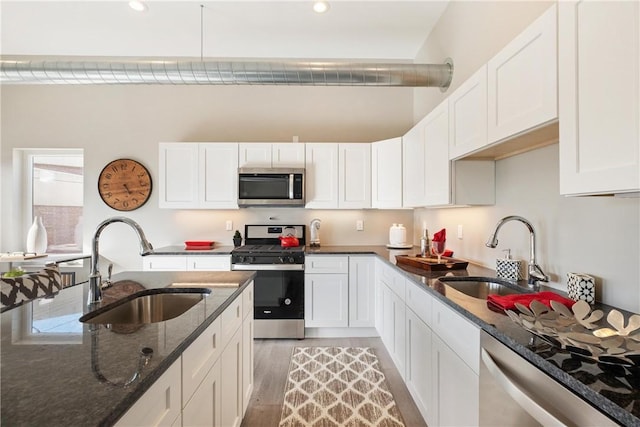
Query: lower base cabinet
[[418, 369], [211, 383]]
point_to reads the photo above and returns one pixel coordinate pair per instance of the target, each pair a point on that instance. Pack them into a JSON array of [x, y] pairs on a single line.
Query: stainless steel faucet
[[535, 273], [95, 278]]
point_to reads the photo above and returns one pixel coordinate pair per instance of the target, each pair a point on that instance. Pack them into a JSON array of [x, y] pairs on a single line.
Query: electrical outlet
[[229, 225], [359, 225], [460, 231]]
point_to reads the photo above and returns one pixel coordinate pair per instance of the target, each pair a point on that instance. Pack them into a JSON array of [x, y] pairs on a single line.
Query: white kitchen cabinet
[[326, 300], [468, 115], [321, 175], [326, 264], [354, 176], [599, 97], [204, 407], [456, 387], [178, 175], [418, 372], [198, 175], [361, 291], [231, 409], [199, 358], [186, 263], [247, 346], [386, 174], [413, 170], [160, 404], [522, 81], [393, 313], [437, 165], [267, 155]]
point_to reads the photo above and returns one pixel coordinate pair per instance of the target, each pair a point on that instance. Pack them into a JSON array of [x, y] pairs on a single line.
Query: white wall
[[130, 121]]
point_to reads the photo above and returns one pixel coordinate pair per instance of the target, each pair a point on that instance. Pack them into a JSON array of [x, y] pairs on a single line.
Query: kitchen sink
[[148, 306], [480, 287]]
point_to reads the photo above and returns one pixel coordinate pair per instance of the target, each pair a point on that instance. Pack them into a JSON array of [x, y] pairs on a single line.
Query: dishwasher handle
[[542, 415]]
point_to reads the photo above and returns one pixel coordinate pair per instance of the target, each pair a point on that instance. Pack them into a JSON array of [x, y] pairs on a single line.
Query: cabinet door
[[199, 358], [413, 169], [398, 353], [254, 155], [209, 263], [456, 388], [231, 382], [468, 115], [361, 292], [289, 155], [600, 107], [326, 300], [321, 175], [386, 174], [247, 361], [218, 175], [437, 165], [418, 367], [522, 80], [205, 406], [354, 176], [164, 263], [158, 406], [178, 175]]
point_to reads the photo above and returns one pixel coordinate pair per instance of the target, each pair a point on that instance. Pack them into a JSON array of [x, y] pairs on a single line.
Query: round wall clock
[[124, 184]]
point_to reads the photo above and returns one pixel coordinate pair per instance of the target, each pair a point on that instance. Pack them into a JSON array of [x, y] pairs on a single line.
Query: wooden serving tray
[[431, 263]]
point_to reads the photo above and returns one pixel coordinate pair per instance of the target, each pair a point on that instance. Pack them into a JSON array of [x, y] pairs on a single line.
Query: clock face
[[124, 184]]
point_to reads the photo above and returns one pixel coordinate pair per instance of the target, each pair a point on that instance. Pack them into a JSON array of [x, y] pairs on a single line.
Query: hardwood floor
[[272, 365]]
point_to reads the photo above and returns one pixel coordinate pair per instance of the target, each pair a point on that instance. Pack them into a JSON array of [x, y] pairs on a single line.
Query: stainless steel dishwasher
[[513, 392]]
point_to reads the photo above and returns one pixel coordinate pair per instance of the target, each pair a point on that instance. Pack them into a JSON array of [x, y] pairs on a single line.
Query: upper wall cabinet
[[599, 76], [468, 115], [386, 174], [522, 81], [267, 155], [413, 171], [338, 176], [198, 175], [437, 165]]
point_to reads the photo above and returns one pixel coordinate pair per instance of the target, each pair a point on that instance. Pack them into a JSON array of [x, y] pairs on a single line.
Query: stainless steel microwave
[[277, 187]]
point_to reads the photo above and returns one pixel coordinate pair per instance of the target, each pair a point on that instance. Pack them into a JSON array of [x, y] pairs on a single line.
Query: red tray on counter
[[199, 244]]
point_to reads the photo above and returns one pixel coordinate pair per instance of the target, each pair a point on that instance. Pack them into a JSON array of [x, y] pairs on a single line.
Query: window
[[54, 181]]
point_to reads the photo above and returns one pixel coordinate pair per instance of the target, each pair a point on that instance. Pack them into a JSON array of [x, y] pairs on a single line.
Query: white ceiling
[[371, 29]]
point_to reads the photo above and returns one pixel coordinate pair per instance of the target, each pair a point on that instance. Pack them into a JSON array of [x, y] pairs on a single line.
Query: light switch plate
[[229, 225], [359, 225]]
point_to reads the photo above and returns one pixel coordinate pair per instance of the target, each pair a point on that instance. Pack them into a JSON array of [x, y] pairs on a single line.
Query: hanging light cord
[[201, 32]]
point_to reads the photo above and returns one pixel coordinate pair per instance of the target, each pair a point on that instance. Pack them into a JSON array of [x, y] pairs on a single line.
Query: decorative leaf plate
[[577, 330]]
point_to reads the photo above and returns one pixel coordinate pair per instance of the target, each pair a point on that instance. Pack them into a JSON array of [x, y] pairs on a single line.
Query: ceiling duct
[[226, 73]]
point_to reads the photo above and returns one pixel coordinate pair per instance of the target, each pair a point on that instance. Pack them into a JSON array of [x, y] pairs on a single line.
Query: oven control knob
[[290, 260], [249, 259], [287, 301]]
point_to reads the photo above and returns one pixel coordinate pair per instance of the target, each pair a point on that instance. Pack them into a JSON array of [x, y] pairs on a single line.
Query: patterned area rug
[[337, 386]]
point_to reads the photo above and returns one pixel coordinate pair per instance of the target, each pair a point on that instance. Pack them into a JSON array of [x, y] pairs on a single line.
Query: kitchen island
[[58, 371]]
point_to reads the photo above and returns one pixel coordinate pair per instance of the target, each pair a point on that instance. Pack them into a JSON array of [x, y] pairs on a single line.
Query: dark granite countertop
[[613, 389], [181, 250], [57, 371]]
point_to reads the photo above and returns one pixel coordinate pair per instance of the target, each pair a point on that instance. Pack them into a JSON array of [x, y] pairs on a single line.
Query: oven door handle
[[537, 411], [267, 267]]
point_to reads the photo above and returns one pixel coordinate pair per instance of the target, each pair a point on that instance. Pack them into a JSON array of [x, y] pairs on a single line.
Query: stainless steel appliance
[[270, 187], [279, 281], [513, 392]]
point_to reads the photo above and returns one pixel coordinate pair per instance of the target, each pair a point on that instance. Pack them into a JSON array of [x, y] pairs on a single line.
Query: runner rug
[[337, 386]]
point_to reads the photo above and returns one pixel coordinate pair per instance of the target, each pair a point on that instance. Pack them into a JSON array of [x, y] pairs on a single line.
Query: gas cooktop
[[266, 249]]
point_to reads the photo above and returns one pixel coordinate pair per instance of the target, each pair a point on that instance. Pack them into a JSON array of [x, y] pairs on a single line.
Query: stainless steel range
[[279, 281]]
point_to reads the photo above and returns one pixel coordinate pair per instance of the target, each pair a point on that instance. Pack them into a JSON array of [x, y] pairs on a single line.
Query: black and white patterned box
[[581, 286]]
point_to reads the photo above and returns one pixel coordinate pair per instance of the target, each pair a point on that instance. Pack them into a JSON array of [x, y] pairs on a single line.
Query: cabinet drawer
[[419, 301], [230, 321], [198, 359], [247, 301], [326, 264], [395, 281], [164, 263], [209, 263], [462, 336]]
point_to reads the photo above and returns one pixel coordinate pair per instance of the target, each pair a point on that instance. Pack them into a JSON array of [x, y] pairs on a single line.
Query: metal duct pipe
[[226, 73]]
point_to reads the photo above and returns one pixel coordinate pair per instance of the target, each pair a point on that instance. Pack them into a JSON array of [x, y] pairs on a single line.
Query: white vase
[[37, 237]]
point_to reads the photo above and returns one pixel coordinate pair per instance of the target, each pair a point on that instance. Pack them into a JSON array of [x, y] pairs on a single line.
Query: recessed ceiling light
[[138, 5], [320, 6]]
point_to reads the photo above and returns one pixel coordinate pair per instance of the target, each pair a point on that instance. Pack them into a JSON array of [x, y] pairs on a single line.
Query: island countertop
[[57, 371]]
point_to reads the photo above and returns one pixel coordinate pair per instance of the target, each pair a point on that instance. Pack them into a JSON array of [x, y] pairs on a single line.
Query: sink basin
[[148, 306], [480, 287]]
